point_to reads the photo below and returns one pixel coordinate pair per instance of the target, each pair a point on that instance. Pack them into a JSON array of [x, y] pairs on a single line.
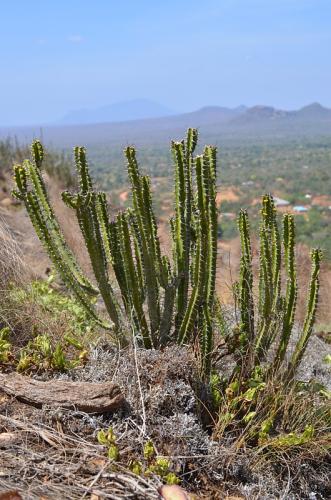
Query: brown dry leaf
[[10, 495], [3, 398], [96, 464]]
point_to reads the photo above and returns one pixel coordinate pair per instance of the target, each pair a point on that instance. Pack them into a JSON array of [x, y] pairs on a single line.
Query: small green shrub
[[108, 439], [59, 329], [41, 307], [149, 465], [5, 346], [40, 353]]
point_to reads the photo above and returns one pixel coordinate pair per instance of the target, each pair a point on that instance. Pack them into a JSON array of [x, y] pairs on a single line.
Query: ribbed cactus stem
[[136, 236], [85, 180], [180, 234], [210, 154], [30, 171], [246, 300], [198, 308], [168, 302], [88, 221], [148, 252], [103, 221], [134, 296], [276, 313], [191, 143], [118, 261], [153, 239], [34, 172], [291, 287], [186, 327], [37, 152], [312, 302], [20, 179], [51, 247], [276, 263], [269, 275], [206, 341], [189, 209]]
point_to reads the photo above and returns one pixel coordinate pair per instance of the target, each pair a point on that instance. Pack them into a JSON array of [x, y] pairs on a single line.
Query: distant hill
[[204, 117], [136, 109], [313, 111], [258, 113], [217, 125]]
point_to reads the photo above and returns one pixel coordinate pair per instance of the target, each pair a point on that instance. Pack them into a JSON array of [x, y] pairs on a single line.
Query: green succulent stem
[[312, 303]]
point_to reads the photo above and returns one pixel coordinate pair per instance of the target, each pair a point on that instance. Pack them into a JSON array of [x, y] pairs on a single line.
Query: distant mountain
[[313, 111], [257, 113], [265, 114], [203, 117], [136, 109], [211, 114], [217, 125]]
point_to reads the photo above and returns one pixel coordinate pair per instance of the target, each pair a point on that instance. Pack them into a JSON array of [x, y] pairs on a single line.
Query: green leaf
[[149, 450], [171, 478], [113, 453]]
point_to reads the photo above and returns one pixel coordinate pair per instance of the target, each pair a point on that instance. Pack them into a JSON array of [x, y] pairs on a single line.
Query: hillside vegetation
[[220, 397], [296, 171]]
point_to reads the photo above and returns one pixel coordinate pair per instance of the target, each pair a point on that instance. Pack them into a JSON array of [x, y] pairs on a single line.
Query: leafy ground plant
[[149, 463], [57, 335]]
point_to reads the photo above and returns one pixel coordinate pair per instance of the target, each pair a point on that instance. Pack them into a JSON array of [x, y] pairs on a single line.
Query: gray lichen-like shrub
[[167, 301]]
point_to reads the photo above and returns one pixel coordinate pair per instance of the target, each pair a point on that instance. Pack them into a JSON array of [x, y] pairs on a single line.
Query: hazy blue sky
[[68, 54]]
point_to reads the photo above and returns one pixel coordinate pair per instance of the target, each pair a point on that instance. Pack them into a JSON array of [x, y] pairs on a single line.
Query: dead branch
[[83, 396]]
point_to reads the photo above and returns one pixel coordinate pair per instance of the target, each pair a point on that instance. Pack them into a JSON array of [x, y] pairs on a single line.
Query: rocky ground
[[55, 453]]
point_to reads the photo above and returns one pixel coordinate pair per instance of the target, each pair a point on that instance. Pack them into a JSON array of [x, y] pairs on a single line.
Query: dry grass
[[26, 317], [45, 462], [12, 265], [13, 273], [19, 307], [69, 226]]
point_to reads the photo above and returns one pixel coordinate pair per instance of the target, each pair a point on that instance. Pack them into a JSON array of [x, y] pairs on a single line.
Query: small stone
[[6, 202], [173, 492], [8, 439]]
